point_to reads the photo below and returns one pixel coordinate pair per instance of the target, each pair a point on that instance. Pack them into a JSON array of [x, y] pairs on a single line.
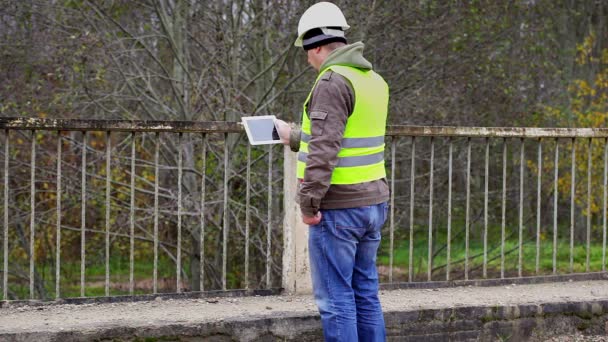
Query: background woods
[[460, 63]]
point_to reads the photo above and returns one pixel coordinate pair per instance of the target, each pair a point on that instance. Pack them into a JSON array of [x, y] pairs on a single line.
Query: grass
[[401, 262], [95, 278]]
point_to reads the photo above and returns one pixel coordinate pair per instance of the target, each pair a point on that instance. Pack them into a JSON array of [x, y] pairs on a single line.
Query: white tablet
[[261, 129]]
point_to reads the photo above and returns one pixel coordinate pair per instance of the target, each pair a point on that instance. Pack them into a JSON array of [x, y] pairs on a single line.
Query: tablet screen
[[260, 130]]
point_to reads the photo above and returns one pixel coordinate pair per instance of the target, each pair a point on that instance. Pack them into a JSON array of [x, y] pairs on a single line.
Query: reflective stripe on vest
[[369, 159], [361, 155], [353, 142]]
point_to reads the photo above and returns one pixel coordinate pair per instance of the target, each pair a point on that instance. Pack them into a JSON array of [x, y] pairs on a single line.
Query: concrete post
[[296, 267]]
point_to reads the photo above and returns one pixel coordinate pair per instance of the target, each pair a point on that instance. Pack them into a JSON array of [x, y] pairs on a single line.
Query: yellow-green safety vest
[[361, 156]]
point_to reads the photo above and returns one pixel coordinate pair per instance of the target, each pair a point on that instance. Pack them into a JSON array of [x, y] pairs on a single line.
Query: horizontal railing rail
[[121, 125], [235, 127], [496, 132]]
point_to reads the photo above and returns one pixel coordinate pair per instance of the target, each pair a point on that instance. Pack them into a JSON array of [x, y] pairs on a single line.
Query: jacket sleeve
[[331, 104]]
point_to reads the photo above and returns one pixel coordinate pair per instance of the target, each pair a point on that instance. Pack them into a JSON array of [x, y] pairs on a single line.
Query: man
[[343, 191]]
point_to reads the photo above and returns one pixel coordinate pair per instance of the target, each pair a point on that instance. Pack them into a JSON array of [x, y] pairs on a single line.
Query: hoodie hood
[[348, 55]]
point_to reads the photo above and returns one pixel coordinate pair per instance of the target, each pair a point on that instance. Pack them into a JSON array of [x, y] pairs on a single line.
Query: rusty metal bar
[[202, 232], [121, 125], [604, 206], [412, 192], [449, 237], [132, 220], [83, 213], [467, 212], [247, 216], [178, 266], [108, 201], [32, 212], [572, 194], [236, 127], [392, 218], [269, 228], [430, 249], [538, 199], [521, 207], [5, 240], [555, 197], [58, 228], [589, 165], [225, 216], [496, 132], [156, 176], [485, 210], [504, 208]]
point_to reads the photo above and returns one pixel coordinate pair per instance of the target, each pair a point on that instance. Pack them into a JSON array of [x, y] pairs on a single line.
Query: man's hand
[[312, 220], [284, 130]]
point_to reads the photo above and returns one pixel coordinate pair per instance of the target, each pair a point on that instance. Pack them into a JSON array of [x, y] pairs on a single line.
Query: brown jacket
[[330, 105]]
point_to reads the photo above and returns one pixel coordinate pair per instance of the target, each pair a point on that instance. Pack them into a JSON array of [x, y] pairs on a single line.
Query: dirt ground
[[88, 316]]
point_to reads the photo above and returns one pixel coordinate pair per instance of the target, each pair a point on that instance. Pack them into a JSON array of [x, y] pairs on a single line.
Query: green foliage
[[587, 107]]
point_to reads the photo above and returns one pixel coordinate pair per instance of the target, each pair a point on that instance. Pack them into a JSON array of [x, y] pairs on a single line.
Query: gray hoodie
[[330, 105]]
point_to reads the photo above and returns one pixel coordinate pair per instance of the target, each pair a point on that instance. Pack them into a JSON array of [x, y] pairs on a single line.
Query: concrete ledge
[[514, 312], [478, 323], [491, 323], [286, 328], [139, 298]]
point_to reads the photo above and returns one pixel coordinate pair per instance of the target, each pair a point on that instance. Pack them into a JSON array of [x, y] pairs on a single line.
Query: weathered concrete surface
[[512, 312], [296, 266]]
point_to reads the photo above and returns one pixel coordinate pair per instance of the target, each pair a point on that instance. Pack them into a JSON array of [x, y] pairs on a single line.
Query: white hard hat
[[320, 15]]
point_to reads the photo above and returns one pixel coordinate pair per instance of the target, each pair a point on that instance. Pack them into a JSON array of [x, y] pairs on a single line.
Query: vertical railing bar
[[589, 165], [5, 240], [202, 232], [604, 206], [504, 208], [269, 228], [572, 194], [178, 266], [132, 220], [467, 211], [485, 210], [108, 194], [555, 196], [538, 200], [449, 237], [32, 212], [247, 216], [58, 229], [225, 214], [412, 185], [156, 185], [521, 208], [430, 248], [392, 218], [83, 212]]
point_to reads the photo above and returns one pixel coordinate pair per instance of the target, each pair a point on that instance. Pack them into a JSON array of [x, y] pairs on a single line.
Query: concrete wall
[[296, 267], [499, 323]]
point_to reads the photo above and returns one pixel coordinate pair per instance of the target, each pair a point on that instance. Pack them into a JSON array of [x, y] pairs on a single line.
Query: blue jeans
[[342, 250]]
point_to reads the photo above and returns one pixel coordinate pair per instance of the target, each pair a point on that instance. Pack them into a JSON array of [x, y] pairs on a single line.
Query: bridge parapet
[[122, 207]]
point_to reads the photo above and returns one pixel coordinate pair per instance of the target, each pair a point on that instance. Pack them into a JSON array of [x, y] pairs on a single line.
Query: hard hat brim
[[300, 39]]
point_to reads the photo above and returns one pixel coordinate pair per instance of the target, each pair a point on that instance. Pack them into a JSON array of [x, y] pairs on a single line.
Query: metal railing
[[126, 178], [548, 199], [202, 178]]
